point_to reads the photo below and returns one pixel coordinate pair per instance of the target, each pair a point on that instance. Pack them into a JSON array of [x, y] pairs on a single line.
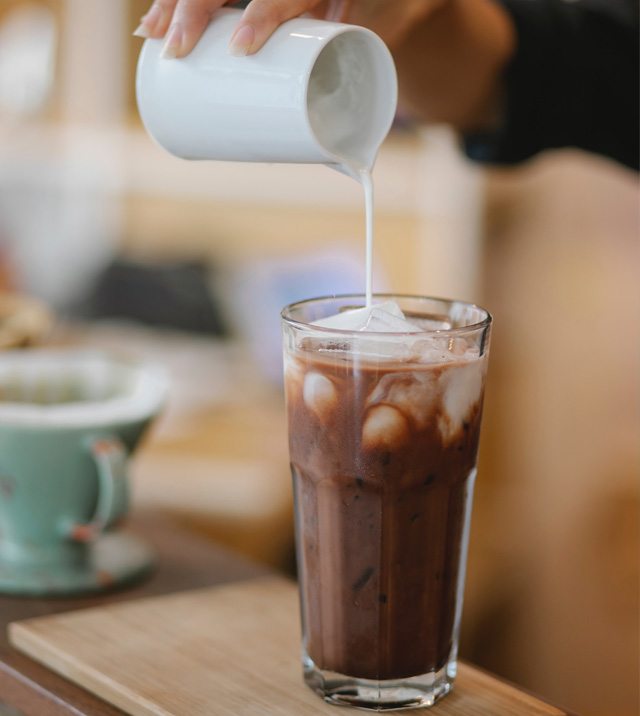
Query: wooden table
[[185, 562]]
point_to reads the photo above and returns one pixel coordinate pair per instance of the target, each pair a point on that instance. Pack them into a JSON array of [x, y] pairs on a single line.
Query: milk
[[337, 112], [366, 179]]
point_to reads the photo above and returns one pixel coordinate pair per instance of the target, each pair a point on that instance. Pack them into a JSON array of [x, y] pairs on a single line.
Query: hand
[[182, 22]]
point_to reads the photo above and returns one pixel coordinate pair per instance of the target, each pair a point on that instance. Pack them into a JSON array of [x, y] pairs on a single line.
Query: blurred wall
[[557, 609]]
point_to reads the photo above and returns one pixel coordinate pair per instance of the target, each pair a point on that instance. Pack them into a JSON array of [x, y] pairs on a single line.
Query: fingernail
[[172, 43], [141, 31], [241, 41], [149, 22]]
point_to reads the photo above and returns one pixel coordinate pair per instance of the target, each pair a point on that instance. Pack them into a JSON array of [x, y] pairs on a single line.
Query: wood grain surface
[[231, 650], [185, 562]]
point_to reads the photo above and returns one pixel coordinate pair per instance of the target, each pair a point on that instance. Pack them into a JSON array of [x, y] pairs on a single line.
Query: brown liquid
[[380, 513]]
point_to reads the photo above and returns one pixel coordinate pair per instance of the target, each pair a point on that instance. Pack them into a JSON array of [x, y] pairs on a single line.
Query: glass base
[[392, 695]]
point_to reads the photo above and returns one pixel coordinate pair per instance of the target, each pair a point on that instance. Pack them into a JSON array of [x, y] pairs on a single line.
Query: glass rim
[[294, 323]]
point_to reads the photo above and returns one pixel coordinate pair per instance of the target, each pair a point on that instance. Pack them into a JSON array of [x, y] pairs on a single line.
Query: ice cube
[[352, 320], [385, 426], [389, 335], [382, 321], [430, 322], [412, 393], [390, 307], [462, 390], [443, 349], [432, 350], [356, 319], [319, 395], [382, 347], [293, 375], [381, 318], [458, 346]]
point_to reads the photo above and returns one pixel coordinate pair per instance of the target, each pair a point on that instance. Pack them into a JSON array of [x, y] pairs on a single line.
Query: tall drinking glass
[[383, 439]]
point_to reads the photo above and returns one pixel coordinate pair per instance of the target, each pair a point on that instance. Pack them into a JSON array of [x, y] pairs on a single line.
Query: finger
[[156, 22], [190, 20], [259, 21]]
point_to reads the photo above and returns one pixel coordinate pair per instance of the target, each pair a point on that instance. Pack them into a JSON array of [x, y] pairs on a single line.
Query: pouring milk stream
[[317, 92]]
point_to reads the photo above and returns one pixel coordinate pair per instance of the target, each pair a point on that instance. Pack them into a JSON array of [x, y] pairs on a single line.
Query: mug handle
[[110, 457]]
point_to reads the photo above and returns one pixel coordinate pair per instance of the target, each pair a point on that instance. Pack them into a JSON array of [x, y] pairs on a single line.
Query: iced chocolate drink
[[384, 420]]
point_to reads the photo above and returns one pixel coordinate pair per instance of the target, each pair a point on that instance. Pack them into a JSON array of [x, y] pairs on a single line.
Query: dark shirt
[[573, 82]]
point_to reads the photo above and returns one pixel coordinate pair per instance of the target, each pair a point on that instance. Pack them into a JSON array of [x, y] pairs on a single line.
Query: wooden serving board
[[230, 650]]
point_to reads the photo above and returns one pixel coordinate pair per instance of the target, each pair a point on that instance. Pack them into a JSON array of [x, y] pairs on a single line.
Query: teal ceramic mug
[[69, 421]]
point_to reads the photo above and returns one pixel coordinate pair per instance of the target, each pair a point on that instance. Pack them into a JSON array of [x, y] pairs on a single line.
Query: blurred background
[[107, 241]]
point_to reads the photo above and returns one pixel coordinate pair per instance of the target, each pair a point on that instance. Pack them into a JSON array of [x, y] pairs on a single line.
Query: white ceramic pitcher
[[317, 92]]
